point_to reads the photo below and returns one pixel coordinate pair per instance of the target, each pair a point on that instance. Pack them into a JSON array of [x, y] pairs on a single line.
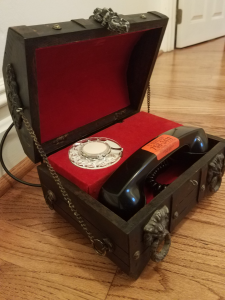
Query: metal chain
[[66, 197], [100, 246], [148, 97]]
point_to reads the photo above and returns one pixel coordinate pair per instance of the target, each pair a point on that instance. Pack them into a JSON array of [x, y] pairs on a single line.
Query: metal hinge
[[60, 139], [179, 16]]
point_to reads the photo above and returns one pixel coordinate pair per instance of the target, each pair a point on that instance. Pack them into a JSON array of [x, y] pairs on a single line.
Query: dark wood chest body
[[127, 240], [129, 250]]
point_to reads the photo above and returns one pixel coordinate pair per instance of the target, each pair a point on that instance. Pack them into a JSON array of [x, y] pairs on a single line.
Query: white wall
[[32, 12], [168, 8]]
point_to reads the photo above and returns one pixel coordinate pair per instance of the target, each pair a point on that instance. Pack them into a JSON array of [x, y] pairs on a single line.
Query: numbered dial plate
[[95, 153]]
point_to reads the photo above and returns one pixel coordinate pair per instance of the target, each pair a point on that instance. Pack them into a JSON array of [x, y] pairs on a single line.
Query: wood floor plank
[[44, 257], [35, 285], [18, 171], [56, 260]]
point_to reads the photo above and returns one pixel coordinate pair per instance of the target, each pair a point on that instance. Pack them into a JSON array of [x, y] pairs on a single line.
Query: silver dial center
[[94, 149], [95, 153]]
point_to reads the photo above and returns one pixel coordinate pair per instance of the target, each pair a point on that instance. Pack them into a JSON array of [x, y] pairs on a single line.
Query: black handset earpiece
[[123, 192]]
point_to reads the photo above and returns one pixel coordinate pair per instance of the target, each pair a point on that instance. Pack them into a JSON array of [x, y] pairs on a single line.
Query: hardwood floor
[[20, 170], [188, 85], [43, 257]]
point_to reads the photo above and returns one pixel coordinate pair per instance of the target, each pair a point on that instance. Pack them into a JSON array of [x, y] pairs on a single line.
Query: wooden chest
[[77, 79]]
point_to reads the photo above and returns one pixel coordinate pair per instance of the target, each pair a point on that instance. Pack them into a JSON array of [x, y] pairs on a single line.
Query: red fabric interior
[[131, 134], [86, 80]]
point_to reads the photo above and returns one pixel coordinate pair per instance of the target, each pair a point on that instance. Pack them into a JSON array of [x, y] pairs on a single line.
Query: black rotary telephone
[[123, 192]]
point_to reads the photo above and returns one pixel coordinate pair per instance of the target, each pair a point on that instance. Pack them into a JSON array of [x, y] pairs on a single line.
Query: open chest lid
[[80, 79]]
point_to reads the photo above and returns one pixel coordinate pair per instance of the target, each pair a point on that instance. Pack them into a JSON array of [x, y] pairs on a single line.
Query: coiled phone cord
[[151, 182], [4, 166]]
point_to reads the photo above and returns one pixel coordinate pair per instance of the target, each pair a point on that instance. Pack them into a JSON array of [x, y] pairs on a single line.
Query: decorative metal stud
[[203, 188], [137, 255], [56, 27], [176, 215]]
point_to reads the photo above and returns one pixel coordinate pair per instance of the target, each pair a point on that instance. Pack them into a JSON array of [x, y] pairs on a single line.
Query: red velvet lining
[[132, 134], [85, 80]]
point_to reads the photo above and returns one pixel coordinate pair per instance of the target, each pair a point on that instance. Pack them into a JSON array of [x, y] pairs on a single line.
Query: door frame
[[168, 8]]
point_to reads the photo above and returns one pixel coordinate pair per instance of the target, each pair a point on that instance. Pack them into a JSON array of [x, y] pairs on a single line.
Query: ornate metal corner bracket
[[107, 17], [155, 233], [216, 172], [12, 91]]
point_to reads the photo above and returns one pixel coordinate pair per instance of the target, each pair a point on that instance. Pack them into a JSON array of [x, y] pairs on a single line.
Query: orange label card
[[162, 145]]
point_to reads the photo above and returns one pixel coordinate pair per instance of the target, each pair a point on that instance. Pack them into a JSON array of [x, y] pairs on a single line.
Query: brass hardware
[[176, 215], [50, 199], [143, 17], [137, 255], [99, 247], [194, 182], [203, 188], [60, 139], [108, 244], [56, 27], [179, 16]]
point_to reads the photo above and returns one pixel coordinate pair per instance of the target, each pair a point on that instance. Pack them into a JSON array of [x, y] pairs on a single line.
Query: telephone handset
[[123, 192]]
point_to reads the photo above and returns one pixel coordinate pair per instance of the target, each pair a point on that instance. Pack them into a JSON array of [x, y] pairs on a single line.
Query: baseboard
[[160, 53], [20, 170], [3, 101]]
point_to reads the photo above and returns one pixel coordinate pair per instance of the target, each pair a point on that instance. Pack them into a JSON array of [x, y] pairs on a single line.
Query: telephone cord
[[151, 179], [4, 166]]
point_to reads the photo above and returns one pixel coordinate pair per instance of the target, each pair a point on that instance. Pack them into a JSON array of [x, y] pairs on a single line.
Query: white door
[[200, 20]]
